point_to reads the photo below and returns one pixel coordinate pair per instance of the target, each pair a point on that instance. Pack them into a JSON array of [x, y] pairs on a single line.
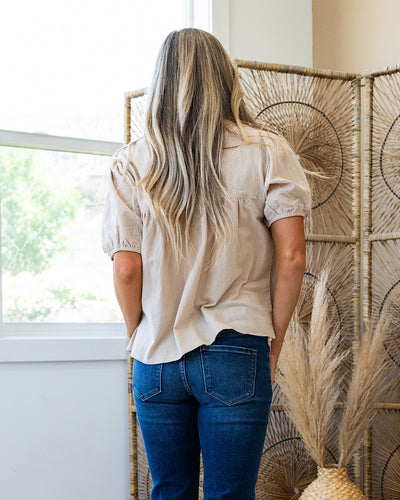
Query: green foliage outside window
[[32, 213]]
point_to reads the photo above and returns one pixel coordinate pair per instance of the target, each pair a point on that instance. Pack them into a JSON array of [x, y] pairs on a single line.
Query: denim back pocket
[[229, 372], [146, 379]]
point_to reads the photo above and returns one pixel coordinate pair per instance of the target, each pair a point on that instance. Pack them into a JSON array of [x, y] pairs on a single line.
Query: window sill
[[62, 342]]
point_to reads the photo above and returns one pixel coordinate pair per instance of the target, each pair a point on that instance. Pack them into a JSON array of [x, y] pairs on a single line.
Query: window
[[69, 62], [53, 269], [68, 65]]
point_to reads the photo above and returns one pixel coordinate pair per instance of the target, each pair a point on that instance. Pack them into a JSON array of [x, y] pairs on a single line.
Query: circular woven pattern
[[335, 313], [389, 473], [309, 283], [389, 158], [332, 483], [286, 470], [392, 300], [342, 307], [385, 298], [317, 115], [287, 467], [385, 153], [386, 454], [313, 135]]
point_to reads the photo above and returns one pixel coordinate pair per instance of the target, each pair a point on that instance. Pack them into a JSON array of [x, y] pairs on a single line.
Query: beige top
[[185, 307]]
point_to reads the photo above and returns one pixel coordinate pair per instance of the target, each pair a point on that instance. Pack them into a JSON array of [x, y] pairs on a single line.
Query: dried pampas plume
[[369, 367], [309, 378], [308, 373]]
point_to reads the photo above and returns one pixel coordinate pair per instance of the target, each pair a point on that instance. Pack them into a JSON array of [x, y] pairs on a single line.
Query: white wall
[[63, 414], [356, 35], [273, 31], [64, 431]]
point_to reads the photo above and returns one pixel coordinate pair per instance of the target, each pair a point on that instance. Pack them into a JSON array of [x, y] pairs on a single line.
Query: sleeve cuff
[[284, 215], [133, 248]]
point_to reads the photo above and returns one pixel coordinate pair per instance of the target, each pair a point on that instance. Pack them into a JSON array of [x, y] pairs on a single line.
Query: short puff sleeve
[[122, 219], [287, 192]]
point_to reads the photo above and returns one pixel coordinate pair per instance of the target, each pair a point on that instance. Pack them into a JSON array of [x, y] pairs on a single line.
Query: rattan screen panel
[[318, 112], [134, 111], [386, 455], [381, 269], [382, 204], [385, 153], [385, 291]]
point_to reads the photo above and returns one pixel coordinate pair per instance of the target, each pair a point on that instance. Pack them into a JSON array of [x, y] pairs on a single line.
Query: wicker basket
[[332, 483]]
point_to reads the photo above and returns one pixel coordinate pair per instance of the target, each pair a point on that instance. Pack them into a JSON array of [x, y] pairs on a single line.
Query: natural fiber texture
[[301, 104], [287, 467], [135, 104], [317, 115], [385, 135], [144, 478], [381, 261], [386, 455], [308, 373], [341, 291], [363, 389], [385, 285], [132, 423], [332, 484]]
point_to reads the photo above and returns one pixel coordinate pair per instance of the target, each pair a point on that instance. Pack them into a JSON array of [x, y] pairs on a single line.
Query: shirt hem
[[209, 341]]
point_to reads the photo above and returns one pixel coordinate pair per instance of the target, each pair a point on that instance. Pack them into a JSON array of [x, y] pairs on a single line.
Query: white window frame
[[30, 342], [209, 15]]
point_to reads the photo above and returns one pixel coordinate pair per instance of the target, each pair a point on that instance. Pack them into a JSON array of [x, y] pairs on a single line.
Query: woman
[[195, 210]]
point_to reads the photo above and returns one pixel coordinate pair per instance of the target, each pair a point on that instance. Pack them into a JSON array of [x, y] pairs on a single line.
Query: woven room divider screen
[[320, 112]]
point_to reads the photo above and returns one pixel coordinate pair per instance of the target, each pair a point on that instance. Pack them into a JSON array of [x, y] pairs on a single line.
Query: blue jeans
[[216, 399]]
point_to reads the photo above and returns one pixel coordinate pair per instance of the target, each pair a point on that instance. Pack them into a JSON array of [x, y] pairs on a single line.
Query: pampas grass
[[369, 367], [308, 373]]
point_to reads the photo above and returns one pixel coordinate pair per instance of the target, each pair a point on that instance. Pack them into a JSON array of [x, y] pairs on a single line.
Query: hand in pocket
[[273, 360]]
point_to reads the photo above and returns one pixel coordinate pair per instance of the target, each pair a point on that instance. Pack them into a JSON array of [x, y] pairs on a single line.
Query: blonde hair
[[195, 94], [194, 97]]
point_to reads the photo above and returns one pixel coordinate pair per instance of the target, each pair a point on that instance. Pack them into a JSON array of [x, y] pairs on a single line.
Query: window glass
[[68, 63], [53, 268]]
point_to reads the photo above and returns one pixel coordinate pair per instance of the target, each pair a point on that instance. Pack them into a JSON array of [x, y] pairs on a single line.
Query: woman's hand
[[273, 360], [274, 355]]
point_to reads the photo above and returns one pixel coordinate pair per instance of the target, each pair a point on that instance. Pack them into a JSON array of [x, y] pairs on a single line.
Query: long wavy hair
[[194, 96]]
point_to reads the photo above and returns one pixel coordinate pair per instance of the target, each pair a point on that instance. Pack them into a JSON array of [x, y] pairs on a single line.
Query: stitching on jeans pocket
[[229, 372], [146, 380]]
